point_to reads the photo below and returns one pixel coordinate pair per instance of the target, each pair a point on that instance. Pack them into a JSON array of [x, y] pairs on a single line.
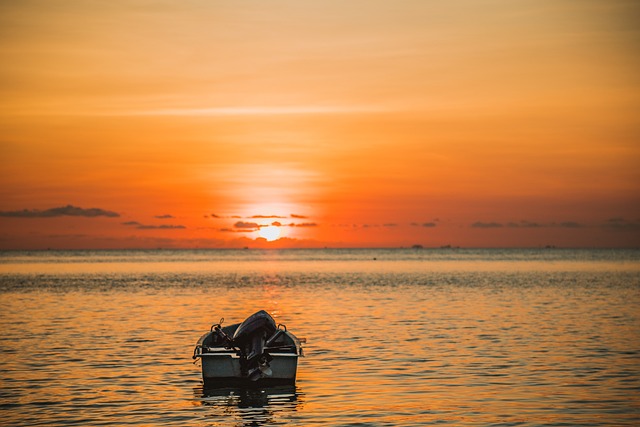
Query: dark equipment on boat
[[251, 337]]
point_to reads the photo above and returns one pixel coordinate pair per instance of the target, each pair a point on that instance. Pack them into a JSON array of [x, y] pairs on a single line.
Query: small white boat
[[251, 352]]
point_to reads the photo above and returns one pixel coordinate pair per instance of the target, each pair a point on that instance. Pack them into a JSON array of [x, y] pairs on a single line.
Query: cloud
[[216, 216], [622, 224], [167, 216], [480, 224], [524, 224], [425, 224], [68, 210], [230, 230], [298, 216], [390, 224], [161, 227], [267, 217], [140, 226], [242, 224], [305, 224]]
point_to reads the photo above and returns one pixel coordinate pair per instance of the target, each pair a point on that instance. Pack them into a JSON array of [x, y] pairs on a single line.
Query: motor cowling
[[251, 337]]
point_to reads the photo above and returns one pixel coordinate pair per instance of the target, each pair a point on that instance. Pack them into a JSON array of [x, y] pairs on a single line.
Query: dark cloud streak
[[242, 224], [241, 230], [140, 226], [68, 210], [523, 224], [621, 224], [161, 227]]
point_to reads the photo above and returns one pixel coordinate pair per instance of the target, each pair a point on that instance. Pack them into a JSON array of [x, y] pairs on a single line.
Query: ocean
[[395, 337]]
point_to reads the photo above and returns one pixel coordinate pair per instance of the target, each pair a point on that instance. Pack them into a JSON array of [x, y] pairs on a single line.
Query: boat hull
[[255, 351], [223, 368]]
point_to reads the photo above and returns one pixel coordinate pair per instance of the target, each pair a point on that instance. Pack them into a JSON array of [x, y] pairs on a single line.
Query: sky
[[294, 123]]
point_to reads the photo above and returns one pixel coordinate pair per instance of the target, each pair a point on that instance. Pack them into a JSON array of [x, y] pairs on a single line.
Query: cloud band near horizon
[[260, 111], [68, 210]]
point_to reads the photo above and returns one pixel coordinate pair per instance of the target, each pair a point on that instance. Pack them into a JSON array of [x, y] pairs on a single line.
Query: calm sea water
[[395, 337]]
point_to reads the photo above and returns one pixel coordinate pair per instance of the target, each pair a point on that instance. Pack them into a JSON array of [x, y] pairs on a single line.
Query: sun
[[271, 232]]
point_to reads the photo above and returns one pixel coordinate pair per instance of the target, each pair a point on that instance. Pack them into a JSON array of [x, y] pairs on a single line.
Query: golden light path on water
[[277, 265]]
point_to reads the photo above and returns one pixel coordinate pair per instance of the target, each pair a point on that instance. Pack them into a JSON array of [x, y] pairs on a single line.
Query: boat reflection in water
[[250, 406]]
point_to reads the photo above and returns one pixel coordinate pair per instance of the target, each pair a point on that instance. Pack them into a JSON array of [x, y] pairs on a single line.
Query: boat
[[255, 351]]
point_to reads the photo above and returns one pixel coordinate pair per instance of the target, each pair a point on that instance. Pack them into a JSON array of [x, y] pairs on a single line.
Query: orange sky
[[349, 123]]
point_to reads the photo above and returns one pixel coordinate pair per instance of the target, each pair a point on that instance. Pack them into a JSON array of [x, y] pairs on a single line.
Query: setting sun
[[271, 232]]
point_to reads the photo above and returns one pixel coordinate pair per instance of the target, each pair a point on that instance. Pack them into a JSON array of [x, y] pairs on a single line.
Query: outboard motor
[[251, 336]]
